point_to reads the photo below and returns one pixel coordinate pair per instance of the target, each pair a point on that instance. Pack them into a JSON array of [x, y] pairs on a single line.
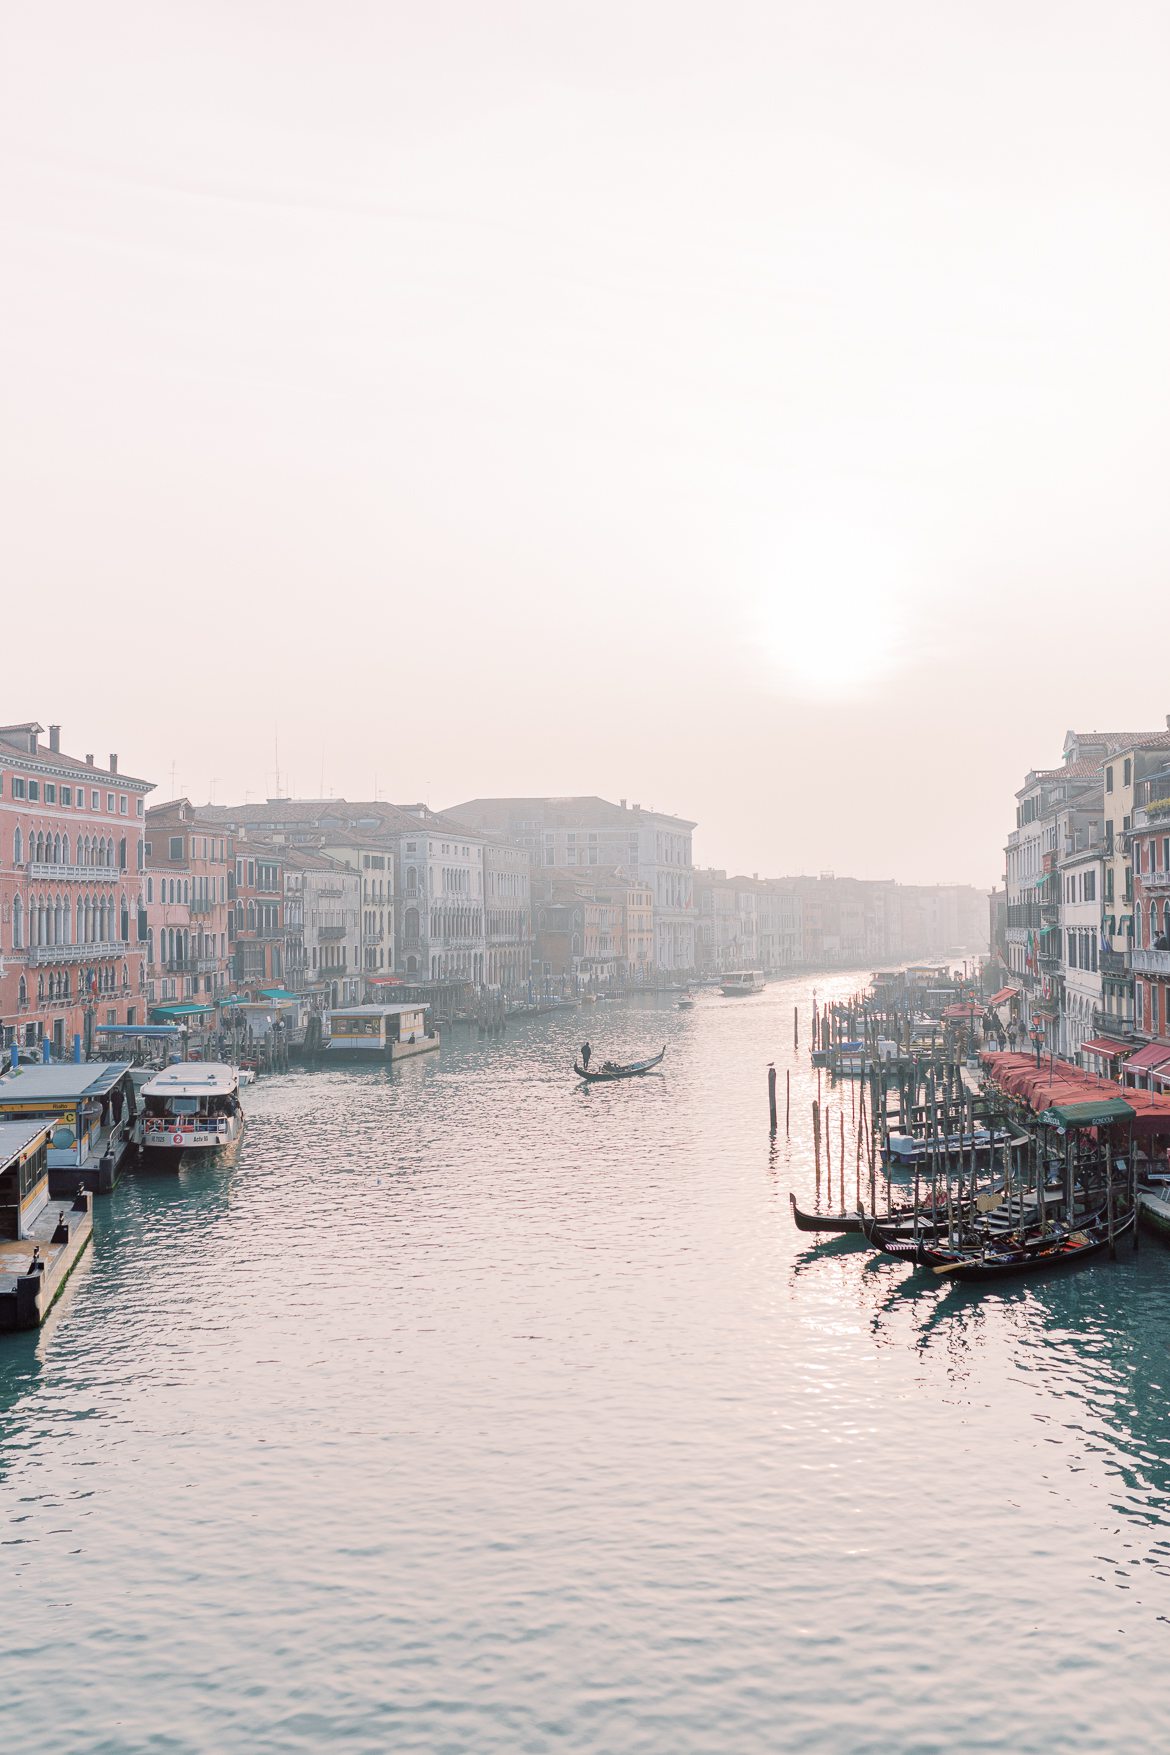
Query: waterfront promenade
[[469, 1409]]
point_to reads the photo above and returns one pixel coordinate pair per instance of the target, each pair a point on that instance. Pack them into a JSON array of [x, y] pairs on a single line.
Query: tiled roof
[[19, 756], [588, 810]]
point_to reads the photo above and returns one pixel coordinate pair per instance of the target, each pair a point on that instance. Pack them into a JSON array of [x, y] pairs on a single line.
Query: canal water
[[471, 1410]]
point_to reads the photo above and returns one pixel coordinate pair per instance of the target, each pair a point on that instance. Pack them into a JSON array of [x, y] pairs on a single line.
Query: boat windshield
[[175, 1105]]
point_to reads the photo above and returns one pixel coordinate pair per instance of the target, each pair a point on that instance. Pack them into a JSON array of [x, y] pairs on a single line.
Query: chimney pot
[[89, 758], [113, 763], [54, 737]]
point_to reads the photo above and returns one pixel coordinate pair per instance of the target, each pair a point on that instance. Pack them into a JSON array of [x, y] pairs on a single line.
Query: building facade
[[190, 883], [507, 880], [588, 833], [72, 922]]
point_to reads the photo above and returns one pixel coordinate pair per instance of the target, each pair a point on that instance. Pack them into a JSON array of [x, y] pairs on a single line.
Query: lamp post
[[1037, 1034]]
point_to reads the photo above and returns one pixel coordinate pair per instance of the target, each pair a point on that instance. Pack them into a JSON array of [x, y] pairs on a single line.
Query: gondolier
[[612, 1070], [586, 1053]]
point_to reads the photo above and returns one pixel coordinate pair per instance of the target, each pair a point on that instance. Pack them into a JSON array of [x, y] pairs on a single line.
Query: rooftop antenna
[[214, 784], [276, 756], [172, 779]]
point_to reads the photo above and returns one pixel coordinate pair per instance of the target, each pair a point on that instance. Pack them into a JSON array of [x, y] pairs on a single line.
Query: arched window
[[18, 926], [1166, 917], [125, 921], [22, 992], [17, 847], [65, 849], [150, 889]]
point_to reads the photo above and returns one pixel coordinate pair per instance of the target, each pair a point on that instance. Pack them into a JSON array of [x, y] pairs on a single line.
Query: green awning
[[278, 993], [1100, 1114], [187, 1010]]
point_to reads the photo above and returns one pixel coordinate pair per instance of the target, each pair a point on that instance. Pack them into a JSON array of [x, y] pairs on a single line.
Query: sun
[[832, 626]]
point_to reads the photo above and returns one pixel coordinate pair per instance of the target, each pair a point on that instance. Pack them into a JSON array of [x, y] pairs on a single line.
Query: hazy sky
[[758, 411]]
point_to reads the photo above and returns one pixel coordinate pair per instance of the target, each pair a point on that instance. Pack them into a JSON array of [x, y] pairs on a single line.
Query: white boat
[[193, 1106], [741, 981], [374, 1033]]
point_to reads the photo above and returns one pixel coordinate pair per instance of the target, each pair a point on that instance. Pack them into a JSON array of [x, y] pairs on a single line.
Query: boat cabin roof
[[744, 975], [16, 1137], [375, 1011], [61, 1084], [193, 1078]]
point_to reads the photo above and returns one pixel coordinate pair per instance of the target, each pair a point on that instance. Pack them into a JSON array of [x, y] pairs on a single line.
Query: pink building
[[71, 875]]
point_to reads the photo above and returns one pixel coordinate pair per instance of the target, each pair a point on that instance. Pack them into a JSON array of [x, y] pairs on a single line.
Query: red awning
[[1154, 1054], [1103, 1045], [962, 1011], [1057, 1081], [1004, 994]]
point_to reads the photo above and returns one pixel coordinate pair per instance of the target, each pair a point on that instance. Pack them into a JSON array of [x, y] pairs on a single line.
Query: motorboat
[[739, 982], [193, 1106]]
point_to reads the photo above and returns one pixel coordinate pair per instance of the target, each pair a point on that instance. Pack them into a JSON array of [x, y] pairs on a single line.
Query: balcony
[[202, 904], [1156, 883], [1114, 963], [40, 955], [330, 934], [333, 969], [101, 874], [1149, 962]]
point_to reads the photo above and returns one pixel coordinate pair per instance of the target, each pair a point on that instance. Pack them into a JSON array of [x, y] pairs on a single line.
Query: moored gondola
[[1027, 1256], [611, 1070]]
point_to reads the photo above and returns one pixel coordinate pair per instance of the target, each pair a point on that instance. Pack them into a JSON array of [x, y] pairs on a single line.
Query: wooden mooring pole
[[772, 1095]]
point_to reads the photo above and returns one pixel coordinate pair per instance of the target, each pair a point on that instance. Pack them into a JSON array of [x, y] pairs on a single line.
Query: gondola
[[856, 1223], [609, 1070], [1034, 1256]]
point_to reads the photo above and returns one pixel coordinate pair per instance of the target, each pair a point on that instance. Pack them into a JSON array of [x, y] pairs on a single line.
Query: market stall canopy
[[1149, 1058], [185, 1010], [1107, 1047], [1004, 994], [1056, 1084], [967, 1010], [1091, 1114]]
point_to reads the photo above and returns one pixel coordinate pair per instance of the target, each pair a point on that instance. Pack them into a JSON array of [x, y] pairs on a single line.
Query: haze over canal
[[472, 1410]]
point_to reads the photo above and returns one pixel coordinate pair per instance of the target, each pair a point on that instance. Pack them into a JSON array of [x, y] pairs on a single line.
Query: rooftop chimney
[[54, 737], [113, 764], [623, 802], [89, 758], [32, 741]]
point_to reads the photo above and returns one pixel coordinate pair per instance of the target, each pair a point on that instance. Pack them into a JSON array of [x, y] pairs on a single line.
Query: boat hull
[[634, 1071]]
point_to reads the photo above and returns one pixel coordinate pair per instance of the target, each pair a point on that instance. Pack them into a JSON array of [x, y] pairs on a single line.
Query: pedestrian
[[586, 1051]]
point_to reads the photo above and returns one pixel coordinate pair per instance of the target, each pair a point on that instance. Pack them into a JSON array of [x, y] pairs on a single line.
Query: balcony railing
[[1156, 883], [202, 904], [1114, 963], [1149, 962], [41, 954], [101, 874], [331, 934]]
